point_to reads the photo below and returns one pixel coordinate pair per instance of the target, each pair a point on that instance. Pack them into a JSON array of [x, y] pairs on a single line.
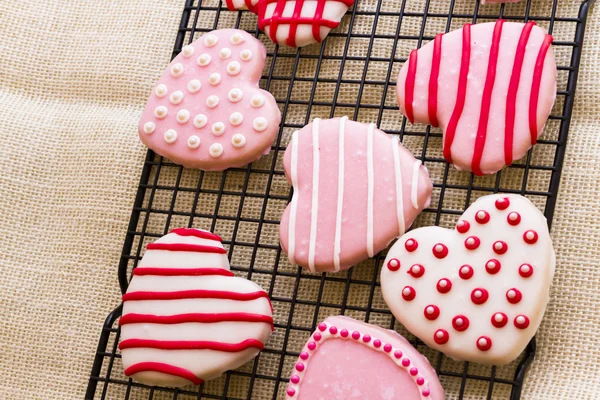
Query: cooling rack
[[352, 73]]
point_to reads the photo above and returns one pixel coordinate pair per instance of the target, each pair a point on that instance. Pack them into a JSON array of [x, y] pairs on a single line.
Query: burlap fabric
[[73, 81]]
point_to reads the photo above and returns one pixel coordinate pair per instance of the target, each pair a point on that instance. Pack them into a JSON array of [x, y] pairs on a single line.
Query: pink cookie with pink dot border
[[207, 111], [347, 359], [477, 292]]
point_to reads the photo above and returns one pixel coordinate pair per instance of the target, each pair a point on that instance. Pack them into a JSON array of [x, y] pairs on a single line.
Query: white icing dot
[[259, 124], [216, 149], [491, 264], [498, 317], [236, 118], [513, 216], [161, 90], [183, 116], [498, 246], [214, 78], [236, 38], [187, 51], [203, 60], [200, 120], [481, 214], [177, 70], [443, 283], [430, 310], [218, 128], [225, 53], [212, 101], [406, 291], [439, 248], [482, 342], [170, 136], [530, 235], [233, 68], [161, 112], [393, 263], [478, 293], [246, 55], [439, 334], [210, 40], [235, 95], [194, 86], [525, 269], [511, 294], [459, 321], [176, 97], [149, 127], [464, 270], [257, 101], [520, 320], [470, 241], [416, 269], [193, 142], [238, 140]]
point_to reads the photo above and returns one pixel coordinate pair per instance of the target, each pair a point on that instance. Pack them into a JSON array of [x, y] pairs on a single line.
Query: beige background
[[74, 78]]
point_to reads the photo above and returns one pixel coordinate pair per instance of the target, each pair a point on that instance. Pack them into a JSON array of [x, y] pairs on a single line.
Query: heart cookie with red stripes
[[490, 87], [186, 317], [478, 292]]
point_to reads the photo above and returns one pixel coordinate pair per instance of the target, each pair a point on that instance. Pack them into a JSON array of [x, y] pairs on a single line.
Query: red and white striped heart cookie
[[295, 23], [478, 292], [490, 87], [186, 318]]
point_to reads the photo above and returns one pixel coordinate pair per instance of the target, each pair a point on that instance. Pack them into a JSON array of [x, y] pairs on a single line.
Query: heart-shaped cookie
[[295, 23], [207, 110], [355, 190], [478, 292], [348, 359], [186, 318], [490, 87]]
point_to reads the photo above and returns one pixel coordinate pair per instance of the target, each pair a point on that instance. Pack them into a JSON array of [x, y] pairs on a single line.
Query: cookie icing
[[478, 292]]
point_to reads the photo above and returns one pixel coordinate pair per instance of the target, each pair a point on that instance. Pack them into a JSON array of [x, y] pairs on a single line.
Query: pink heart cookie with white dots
[[478, 292], [348, 359], [207, 110]]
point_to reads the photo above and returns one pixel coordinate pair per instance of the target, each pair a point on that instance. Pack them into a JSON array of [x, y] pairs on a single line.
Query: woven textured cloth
[[74, 79]]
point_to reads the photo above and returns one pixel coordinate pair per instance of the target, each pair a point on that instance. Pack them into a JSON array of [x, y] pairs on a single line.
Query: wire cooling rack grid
[[353, 73]]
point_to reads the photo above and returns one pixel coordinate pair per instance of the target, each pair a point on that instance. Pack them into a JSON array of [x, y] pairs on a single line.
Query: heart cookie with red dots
[[349, 359], [477, 292], [207, 110]]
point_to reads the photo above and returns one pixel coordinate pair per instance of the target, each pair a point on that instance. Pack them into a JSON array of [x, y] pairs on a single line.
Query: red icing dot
[[304, 355], [463, 226], [460, 323], [322, 327], [333, 330], [502, 204], [416, 271], [499, 319], [405, 362], [513, 296], [479, 296], [431, 312], [413, 371], [291, 392], [525, 270], [344, 333], [493, 266], [441, 336], [420, 381], [393, 264], [500, 247], [425, 392], [377, 343], [514, 218], [484, 343], [300, 367], [295, 379], [317, 336], [408, 293], [521, 321], [483, 217], [530, 237], [312, 345], [398, 354], [444, 285], [387, 348], [411, 245], [440, 250], [366, 338], [472, 242], [466, 272], [355, 335]]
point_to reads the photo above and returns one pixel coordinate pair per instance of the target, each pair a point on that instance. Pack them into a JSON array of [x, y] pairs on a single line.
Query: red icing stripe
[[134, 318], [316, 26], [186, 247], [194, 294], [165, 369], [535, 88], [409, 87], [511, 97], [196, 233], [190, 345], [303, 20], [142, 271], [461, 92], [486, 99], [249, 5], [276, 20], [291, 39], [230, 5], [433, 80]]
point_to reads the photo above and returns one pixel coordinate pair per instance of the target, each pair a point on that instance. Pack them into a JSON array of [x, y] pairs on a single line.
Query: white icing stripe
[[370, 185], [315, 198], [294, 205], [414, 186], [340, 199], [399, 198]]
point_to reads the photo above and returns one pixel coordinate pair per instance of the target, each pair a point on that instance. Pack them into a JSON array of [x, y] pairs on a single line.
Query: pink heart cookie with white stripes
[[186, 317], [295, 23], [207, 110], [348, 359], [490, 87], [355, 190], [478, 292]]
